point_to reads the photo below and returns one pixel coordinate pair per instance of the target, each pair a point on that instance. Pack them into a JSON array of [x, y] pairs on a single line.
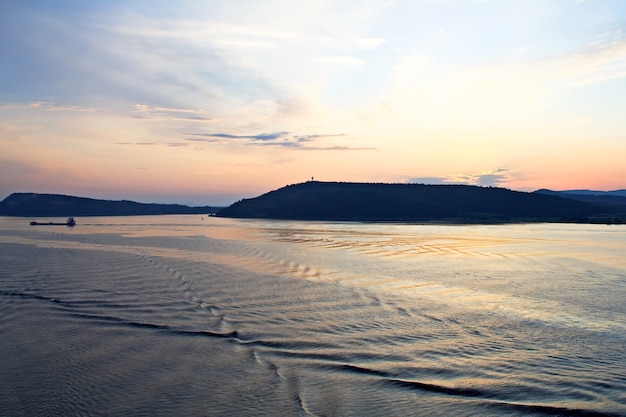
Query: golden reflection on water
[[464, 242]]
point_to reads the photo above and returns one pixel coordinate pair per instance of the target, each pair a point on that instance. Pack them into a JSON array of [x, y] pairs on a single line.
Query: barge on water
[[69, 222]]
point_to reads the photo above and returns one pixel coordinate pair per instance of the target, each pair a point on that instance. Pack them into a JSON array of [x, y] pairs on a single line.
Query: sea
[[205, 316]]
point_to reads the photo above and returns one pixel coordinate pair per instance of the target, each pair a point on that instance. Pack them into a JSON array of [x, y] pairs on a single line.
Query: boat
[[69, 222]]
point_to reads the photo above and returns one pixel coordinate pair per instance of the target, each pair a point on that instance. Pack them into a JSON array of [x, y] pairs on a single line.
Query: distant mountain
[[610, 200], [54, 205], [315, 200], [619, 193]]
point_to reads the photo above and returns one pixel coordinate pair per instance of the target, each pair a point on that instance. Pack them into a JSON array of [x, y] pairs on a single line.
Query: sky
[[208, 102]]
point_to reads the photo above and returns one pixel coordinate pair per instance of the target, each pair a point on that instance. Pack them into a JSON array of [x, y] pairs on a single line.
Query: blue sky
[[207, 102]]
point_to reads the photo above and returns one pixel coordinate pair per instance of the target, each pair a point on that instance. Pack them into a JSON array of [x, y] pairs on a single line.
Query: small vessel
[[69, 222]]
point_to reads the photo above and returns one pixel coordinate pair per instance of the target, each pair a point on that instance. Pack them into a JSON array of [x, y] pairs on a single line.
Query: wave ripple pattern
[[177, 315]]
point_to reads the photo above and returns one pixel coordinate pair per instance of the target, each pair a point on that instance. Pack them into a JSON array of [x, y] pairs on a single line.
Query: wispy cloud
[[600, 60], [171, 144], [305, 138], [490, 178], [281, 139], [496, 92], [155, 113], [260, 137], [45, 106], [138, 143]]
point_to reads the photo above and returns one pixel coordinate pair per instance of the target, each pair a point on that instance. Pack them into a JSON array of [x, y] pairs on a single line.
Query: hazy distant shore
[[51, 205]]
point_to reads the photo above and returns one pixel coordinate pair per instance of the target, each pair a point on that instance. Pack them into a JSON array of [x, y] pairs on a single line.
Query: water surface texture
[[191, 316]]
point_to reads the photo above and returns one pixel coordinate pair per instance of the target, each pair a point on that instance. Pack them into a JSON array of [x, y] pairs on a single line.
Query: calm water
[[178, 315]]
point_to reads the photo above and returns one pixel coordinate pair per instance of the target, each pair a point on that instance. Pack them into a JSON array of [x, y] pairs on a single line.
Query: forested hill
[[315, 200], [53, 205]]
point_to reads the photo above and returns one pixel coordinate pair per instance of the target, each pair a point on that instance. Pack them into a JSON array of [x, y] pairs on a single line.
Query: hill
[[315, 200], [54, 205]]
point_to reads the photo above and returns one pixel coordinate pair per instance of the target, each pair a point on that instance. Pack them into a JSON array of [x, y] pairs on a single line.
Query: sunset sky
[[207, 102]]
